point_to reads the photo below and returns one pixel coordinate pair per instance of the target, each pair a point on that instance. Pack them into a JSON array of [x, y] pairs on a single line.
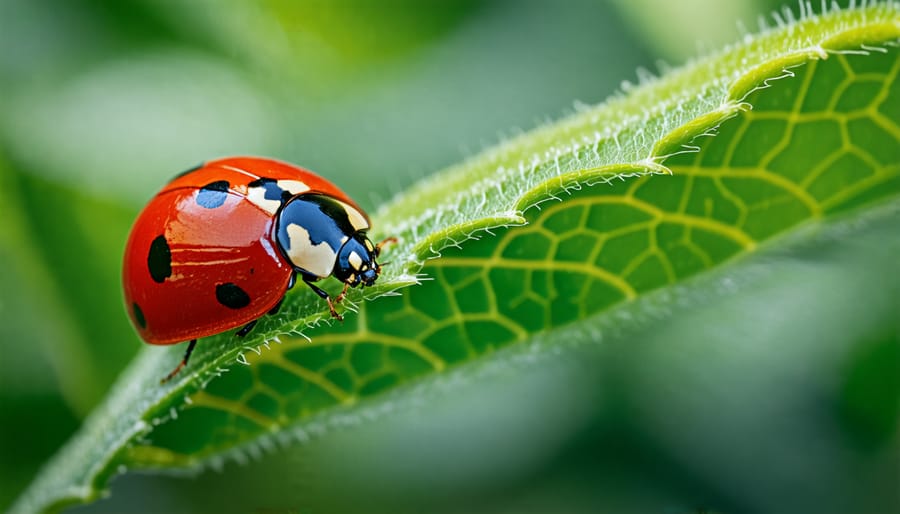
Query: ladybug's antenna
[[390, 240], [379, 266]]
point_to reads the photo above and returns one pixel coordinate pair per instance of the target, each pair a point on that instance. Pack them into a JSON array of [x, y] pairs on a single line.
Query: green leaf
[[681, 175], [775, 352]]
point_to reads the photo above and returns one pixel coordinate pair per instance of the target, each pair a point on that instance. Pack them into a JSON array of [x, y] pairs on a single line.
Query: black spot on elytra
[[159, 260], [139, 315], [185, 172], [232, 296], [213, 195]]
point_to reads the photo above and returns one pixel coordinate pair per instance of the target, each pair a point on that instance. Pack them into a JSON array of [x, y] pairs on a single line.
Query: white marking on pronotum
[[316, 259], [257, 196], [356, 218], [294, 187]]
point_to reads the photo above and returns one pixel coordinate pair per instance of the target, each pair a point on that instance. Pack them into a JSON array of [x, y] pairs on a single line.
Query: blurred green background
[[104, 101]]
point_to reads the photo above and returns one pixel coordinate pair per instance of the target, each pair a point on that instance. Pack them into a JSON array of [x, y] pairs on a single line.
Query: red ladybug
[[222, 243]]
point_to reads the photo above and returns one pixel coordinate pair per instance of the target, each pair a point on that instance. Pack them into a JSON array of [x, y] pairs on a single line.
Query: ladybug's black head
[[355, 262]]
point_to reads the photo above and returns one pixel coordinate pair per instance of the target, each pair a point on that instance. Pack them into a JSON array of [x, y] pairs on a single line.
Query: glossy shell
[[202, 258]]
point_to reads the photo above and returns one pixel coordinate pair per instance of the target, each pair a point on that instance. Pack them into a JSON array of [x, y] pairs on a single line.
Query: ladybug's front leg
[[324, 294], [340, 297]]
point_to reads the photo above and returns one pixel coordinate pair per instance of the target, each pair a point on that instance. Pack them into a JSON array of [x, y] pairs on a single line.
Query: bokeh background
[[103, 101]]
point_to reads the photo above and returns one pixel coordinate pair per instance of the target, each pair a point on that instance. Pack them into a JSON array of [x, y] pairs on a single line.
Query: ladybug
[[222, 243]]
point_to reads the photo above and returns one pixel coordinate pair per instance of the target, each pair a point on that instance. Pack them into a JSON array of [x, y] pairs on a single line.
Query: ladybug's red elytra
[[222, 243]]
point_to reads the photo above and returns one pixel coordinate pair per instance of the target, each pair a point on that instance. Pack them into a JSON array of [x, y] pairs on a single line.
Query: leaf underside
[[676, 177]]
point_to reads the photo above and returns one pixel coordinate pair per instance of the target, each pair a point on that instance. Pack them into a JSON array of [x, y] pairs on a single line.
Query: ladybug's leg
[[184, 361], [340, 297], [324, 294], [274, 310], [292, 281], [248, 327]]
